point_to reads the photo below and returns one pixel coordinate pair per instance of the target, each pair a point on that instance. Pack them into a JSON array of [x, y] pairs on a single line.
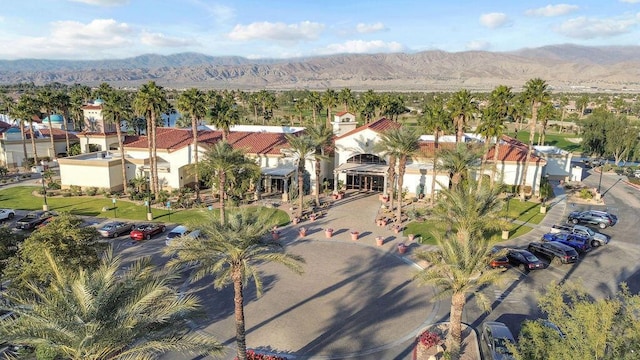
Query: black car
[[602, 219], [557, 252], [33, 219], [524, 260]]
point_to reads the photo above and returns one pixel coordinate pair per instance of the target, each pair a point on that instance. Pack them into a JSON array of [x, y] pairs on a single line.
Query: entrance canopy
[[364, 169], [278, 171]]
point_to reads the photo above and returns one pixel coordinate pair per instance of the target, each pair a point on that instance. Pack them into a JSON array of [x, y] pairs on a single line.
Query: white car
[[7, 214]]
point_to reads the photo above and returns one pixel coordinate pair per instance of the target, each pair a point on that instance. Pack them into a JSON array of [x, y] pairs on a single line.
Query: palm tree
[[116, 107], [192, 103], [546, 113], [435, 119], [345, 96], [230, 252], [223, 112], [537, 93], [151, 101], [314, 102], [301, 148], [403, 143], [369, 102], [220, 164], [46, 98], [458, 162], [79, 95], [329, 99], [459, 265], [24, 110], [490, 128], [112, 313], [387, 146], [62, 103], [322, 137], [462, 108]]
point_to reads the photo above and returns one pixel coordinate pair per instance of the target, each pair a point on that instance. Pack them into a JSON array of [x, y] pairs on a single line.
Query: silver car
[[115, 229]]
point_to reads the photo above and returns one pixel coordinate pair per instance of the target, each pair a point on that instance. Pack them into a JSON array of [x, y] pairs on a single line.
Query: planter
[[411, 237], [302, 231], [340, 196], [328, 233], [396, 229], [505, 234], [295, 220], [543, 209], [402, 248], [354, 235], [379, 241], [313, 217], [275, 235]]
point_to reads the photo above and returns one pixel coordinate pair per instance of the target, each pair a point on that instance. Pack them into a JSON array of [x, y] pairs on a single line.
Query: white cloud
[[554, 10], [305, 30], [161, 40], [370, 28], [97, 33], [103, 2], [493, 20], [586, 28], [477, 45], [219, 12], [362, 47]]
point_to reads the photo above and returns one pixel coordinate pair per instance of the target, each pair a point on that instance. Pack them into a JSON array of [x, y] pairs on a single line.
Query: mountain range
[[565, 67]]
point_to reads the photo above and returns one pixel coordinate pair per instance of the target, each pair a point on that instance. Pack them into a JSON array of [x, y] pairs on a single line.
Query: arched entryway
[[366, 172]]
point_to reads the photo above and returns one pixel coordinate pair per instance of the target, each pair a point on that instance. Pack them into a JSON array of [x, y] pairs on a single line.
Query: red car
[[146, 231]]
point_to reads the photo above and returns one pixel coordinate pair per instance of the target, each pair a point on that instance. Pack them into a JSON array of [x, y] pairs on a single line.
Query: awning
[[365, 169], [278, 171]]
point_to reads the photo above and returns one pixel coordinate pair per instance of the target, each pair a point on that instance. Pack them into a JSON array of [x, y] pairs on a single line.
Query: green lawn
[[22, 198], [558, 140], [525, 211]]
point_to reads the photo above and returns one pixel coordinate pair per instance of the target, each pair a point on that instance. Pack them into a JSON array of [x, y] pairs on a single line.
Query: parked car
[[602, 219], [498, 258], [558, 253], [597, 239], [45, 223], [578, 242], [115, 229], [146, 231], [7, 214], [180, 231], [524, 260], [33, 219], [495, 339]]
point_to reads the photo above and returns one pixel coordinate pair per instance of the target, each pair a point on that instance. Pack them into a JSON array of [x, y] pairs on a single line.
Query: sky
[[109, 29]]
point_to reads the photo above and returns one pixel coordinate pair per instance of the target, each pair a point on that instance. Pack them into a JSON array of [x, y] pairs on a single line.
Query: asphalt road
[[600, 271]]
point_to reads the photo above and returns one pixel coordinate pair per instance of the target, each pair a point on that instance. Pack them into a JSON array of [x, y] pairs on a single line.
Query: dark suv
[[576, 241], [602, 219], [557, 252]]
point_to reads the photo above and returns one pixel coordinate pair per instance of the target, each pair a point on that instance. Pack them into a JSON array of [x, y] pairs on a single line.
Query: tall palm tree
[[223, 111], [46, 98], [345, 96], [301, 148], [192, 103], [491, 128], [230, 253], [546, 113], [369, 102], [462, 108], [388, 146], [329, 99], [151, 101], [112, 313], [79, 95], [322, 137], [220, 164], [537, 92], [459, 265], [314, 102], [25, 109], [436, 119], [62, 103], [405, 144], [116, 107]]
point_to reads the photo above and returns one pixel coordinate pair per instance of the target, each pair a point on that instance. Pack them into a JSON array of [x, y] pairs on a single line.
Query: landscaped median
[[525, 212], [26, 198]]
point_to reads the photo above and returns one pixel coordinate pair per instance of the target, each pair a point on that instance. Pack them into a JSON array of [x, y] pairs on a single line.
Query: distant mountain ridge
[[565, 67]]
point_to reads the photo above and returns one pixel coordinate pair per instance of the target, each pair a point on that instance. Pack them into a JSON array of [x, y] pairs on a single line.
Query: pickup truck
[[597, 239], [33, 219]]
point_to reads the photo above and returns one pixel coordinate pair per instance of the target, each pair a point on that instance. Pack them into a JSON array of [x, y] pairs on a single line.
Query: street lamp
[[45, 206], [600, 182]]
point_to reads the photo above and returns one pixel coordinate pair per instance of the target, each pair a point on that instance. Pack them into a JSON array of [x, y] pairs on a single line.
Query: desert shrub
[[92, 191], [586, 194], [105, 192], [163, 196], [54, 185], [75, 190], [65, 193]]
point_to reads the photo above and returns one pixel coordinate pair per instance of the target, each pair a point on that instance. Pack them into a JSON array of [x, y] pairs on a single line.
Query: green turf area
[[23, 198], [559, 140]]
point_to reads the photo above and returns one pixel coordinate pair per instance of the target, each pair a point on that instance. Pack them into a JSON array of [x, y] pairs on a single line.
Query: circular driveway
[[353, 300]]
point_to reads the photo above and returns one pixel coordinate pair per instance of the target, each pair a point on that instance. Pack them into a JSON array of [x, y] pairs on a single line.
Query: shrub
[[429, 339], [75, 190], [66, 193], [586, 194], [92, 191], [252, 355], [163, 196], [54, 185], [44, 352]]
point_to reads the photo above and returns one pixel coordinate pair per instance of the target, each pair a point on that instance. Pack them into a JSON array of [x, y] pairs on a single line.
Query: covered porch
[[276, 180], [363, 177]]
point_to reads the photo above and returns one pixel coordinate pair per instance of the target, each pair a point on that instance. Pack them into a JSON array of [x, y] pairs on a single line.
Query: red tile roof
[[252, 142], [379, 126], [512, 150], [92, 107], [344, 113]]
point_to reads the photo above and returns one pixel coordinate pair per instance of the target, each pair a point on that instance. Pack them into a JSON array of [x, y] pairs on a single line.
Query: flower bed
[[252, 355]]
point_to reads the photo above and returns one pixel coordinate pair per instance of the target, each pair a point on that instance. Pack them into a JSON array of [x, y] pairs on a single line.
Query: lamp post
[[149, 213], [600, 181], [45, 206], [115, 208]]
